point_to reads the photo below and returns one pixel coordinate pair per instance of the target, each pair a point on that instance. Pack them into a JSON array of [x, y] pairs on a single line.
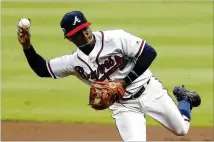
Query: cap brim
[[78, 28]]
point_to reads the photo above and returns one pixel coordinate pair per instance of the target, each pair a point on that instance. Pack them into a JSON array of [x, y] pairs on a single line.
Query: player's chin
[[86, 41]]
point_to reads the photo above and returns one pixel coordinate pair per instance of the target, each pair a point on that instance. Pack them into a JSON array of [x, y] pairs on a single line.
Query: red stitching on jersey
[[49, 66], [101, 49], [142, 43], [85, 63]]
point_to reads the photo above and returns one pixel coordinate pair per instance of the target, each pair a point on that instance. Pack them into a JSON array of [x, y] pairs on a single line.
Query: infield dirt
[[36, 131]]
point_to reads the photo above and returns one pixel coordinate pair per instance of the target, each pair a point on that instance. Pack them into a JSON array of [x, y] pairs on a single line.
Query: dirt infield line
[[35, 131]]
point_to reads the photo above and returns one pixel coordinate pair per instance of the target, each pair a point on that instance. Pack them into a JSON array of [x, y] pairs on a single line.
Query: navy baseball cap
[[72, 22]]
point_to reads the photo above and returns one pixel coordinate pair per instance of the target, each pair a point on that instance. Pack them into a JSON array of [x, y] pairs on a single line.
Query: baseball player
[[118, 62]]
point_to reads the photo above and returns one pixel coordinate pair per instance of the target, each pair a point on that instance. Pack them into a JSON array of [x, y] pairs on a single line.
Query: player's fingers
[[22, 38], [20, 29], [24, 34], [19, 34], [27, 32]]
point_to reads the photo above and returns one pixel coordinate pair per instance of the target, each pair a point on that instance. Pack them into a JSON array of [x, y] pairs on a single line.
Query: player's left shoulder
[[114, 32], [109, 35], [119, 34]]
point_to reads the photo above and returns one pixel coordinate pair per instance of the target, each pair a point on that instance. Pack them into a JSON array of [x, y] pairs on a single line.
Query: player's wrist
[[29, 50], [27, 45]]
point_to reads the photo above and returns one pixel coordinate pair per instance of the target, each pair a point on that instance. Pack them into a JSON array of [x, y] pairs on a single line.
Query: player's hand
[[24, 37]]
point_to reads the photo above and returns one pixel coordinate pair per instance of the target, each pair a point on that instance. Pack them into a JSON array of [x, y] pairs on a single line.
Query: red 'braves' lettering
[[111, 64]]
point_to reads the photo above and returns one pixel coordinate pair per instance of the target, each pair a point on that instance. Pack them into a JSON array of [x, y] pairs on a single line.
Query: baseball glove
[[105, 93]]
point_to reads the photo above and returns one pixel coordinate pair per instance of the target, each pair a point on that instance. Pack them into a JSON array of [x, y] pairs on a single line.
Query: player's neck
[[87, 48]]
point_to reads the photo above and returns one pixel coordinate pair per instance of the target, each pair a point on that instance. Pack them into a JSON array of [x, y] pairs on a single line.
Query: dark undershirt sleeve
[[144, 61], [36, 62]]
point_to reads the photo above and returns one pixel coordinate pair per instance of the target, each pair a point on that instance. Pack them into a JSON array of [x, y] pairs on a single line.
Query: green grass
[[182, 33]]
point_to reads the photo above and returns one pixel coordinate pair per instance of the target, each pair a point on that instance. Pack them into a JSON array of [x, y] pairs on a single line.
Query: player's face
[[82, 37]]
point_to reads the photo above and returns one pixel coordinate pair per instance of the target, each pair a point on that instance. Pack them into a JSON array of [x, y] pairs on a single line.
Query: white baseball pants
[[155, 102]]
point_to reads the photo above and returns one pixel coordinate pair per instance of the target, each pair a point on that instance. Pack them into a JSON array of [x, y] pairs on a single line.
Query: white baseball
[[24, 23]]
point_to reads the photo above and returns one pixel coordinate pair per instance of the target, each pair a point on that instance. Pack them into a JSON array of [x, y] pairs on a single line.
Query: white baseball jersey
[[113, 57]]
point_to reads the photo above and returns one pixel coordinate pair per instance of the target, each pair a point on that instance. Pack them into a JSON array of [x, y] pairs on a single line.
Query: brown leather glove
[[105, 93]]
